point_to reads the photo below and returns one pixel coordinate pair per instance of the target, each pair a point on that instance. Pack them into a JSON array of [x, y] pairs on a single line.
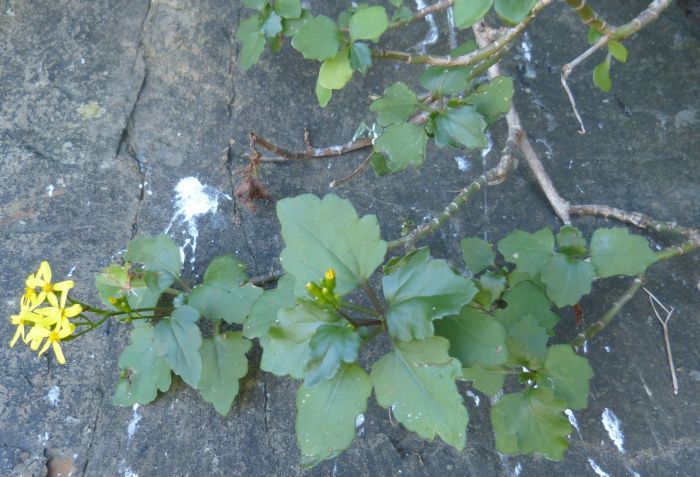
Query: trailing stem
[[605, 320]]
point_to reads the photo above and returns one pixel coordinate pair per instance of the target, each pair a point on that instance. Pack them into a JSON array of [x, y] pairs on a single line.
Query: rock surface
[[107, 106]]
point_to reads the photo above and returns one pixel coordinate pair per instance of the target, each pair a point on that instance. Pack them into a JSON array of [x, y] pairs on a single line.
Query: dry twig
[[664, 325]]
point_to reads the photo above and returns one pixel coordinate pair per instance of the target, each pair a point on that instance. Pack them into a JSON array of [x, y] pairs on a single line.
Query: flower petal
[[58, 352]]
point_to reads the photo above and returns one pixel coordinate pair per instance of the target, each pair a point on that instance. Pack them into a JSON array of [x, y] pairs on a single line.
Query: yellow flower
[[47, 289], [61, 331], [57, 314], [25, 317]]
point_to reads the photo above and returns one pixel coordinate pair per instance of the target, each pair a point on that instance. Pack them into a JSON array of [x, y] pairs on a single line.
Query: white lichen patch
[[54, 396], [613, 425], [192, 200], [596, 468], [133, 423]]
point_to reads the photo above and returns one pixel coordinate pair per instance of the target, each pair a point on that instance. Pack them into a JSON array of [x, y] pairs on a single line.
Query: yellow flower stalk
[[47, 289]]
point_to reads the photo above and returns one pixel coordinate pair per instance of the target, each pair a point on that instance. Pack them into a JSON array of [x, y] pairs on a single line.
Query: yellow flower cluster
[[50, 323]]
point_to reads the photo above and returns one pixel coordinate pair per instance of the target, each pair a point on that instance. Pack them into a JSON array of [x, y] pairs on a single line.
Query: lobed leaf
[[326, 414], [286, 350], [320, 234], [477, 253], [616, 252], [177, 339], [223, 363], [403, 145], [567, 374], [531, 422], [330, 347], [422, 290], [468, 12], [526, 298], [221, 296], [417, 382], [317, 38], [514, 11], [492, 100], [396, 105], [567, 279], [253, 40], [335, 72], [148, 373], [263, 313], [529, 252], [475, 337], [487, 379], [368, 24], [444, 80], [288, 8], [159, 255], [460, 126]]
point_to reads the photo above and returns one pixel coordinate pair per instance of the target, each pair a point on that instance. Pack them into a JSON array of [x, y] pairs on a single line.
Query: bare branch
[[569, 67], [359, 168], [285, 155]]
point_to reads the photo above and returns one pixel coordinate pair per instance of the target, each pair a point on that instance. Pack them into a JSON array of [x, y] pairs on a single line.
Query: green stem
[[359, 309], [172, 291], [678, 250], [605, 320], [420, 14], [373, 298], [590, 17]]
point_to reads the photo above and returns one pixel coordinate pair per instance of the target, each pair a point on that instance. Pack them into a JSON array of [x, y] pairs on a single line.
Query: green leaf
[[257, 4], [616, 252], [478, 254], [417, 382], [368, 24], [272, 25], [403, 145], [290, 26], [571, 242], [491, 284], [223, 364], [487, 379], [593, 35], [288, 8], [317, 38], [527, 343], [526, 298], [320, 234], [465, 48], [220, 296], [475, 337], [326, 414], [567, 279], [287, 348], [531, 423], [323, 94], [618, 51], [514, 11], [335, 72], [379, 164], [468, 12], [159, 255], [360, 57], [253, 41], [567, 374], [601, 75], [492, 100], [177, 338], [461, 126], [529, 252], [329, 348], [147, 372], [396, 105], [264, 311], [420, 291], [113, 281], [116, 280], [444, 80]]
